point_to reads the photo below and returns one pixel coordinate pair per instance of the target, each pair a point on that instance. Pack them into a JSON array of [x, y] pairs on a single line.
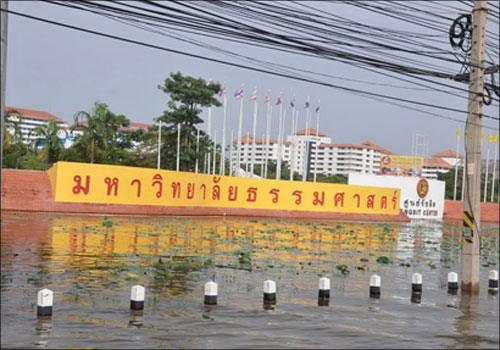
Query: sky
[[62, 71]]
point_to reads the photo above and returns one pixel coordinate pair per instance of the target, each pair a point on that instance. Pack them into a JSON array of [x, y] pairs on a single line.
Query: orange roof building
[[29, 119]]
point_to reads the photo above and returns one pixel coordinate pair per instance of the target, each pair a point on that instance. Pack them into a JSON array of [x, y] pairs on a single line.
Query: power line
[[357, 91]]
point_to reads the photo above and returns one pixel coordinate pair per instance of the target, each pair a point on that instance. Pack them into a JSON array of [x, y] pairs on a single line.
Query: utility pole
[[471, 222], [3, 48]]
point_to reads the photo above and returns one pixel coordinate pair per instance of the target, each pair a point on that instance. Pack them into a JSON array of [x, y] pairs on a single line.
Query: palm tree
[[48, 136], [100, 131]]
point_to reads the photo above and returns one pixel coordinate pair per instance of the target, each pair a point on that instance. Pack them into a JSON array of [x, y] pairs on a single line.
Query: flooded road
[[91, 262]]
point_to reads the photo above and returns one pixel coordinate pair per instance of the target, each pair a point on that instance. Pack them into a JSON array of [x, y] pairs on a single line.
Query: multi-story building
[[434, 166], [313, 151], [30, 119], [342, 159]]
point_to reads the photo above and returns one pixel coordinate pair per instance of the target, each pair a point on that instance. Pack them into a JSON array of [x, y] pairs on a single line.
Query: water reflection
[[91, 268]]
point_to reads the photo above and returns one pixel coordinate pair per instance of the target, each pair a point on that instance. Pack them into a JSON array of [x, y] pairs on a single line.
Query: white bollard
[[137, 297], [452, 282], [493, 280], [269, 292], [375, 282], [324, 291], [211, 293], [44, 302], [416, 283]]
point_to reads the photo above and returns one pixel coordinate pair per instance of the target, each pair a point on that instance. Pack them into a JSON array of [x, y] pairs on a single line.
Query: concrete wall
[[429, 207]]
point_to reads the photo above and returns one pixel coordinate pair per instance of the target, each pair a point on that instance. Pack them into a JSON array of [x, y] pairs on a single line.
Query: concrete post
[[471, 225]]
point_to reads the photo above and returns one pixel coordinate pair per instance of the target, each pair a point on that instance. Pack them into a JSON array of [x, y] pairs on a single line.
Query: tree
[[13, 146], [187, 96], [100, 140], [48, 136]]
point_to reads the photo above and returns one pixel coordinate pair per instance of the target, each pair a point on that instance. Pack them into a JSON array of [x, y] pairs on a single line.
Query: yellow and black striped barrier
[[468, 228]]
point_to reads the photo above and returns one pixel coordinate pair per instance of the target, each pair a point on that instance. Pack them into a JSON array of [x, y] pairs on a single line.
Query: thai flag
[[307, 103], [268, 96], [317, 108], [254, 96], [279, 99], [222, 90], [292, 102], [239, 93]]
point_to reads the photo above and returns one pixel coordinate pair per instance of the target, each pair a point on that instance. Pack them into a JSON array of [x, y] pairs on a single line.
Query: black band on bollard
[[136, 305], [374, 292], [44, 311], [492, 283], [210, 299], [416, 287], [270, 298], [416, 297], [452, 285], [324, 293], [323, 301]]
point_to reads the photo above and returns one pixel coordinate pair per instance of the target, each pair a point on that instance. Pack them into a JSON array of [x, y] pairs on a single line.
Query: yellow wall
[[94, 183]]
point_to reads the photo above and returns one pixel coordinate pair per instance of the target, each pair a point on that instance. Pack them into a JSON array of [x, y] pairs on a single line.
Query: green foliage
[[384, 260], [106, 222], [47, 136], [187, 95], [101, 141], [449, 179], [338, 179]]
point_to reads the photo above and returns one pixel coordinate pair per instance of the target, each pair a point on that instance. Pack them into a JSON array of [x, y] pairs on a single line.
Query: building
[[450, 157], [75, 133], [434, 166], [30, 119], [343, 159], [313, 151]]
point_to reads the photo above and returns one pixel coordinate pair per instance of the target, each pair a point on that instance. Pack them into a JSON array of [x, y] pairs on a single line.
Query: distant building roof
[[366, 144], [34, 114], [447, 154], [437, 163], [311, 132]]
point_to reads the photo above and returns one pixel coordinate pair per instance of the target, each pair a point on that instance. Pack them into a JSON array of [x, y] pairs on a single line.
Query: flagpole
[[295, 151], [247, 152], [306, 148], [494, 170], [278, 145], [486, 175], [215, 150], [262, 159], [463, 174], [268, 122], [223, 155], [317, 145], [282, 140], [239, 132], [292, 149], [159, 145], [456, 166], [254, 132], [178, 144], [209, 133], [197, 148], [231, 154]]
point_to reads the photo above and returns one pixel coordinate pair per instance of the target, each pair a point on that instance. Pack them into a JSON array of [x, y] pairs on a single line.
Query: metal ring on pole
[[487, 96], [463, 23]]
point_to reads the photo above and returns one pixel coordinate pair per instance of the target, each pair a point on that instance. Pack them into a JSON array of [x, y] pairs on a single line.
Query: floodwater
[[91, 262]]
